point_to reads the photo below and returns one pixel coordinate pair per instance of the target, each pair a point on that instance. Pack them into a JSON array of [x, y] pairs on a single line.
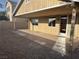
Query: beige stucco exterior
[[77, 31], [77, 28], [43, 27], [43, 9]]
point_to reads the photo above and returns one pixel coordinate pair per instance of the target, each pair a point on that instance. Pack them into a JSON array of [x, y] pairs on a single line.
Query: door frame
[[60, 33]]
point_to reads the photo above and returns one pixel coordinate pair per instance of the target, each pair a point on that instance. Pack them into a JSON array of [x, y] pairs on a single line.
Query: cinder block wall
[[20, 23]]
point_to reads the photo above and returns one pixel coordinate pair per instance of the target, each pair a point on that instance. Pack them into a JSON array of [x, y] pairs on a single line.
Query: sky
[[3, 2]]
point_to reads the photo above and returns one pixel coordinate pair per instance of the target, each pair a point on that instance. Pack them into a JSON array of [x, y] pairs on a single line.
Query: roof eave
[[45, 9], [17, 7]]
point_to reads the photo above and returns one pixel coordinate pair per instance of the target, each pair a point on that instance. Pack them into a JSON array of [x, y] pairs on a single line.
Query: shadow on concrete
[[13, 46]]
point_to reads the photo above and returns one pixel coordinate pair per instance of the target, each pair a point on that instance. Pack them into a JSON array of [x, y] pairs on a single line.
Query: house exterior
[[48, 16], [17, 22]]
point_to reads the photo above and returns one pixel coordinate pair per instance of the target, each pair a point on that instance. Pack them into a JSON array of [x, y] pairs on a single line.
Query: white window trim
[[51, 19], [37, 20]]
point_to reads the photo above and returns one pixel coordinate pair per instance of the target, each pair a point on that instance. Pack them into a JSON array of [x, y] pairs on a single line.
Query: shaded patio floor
[[14, 46]]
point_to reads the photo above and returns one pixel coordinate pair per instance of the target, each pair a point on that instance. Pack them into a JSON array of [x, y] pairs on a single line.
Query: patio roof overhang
[[63, 10], [70, 0]]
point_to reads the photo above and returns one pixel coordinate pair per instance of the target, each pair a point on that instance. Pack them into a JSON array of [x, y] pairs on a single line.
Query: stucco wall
[[77, 28], [30, 25], [43, 27]]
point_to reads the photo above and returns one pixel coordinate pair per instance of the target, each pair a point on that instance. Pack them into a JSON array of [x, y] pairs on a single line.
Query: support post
[[73, 21], [14, 23]]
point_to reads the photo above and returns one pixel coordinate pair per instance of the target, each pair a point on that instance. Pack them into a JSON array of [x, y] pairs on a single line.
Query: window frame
[[27, 1], [35, 21], [52, 22]]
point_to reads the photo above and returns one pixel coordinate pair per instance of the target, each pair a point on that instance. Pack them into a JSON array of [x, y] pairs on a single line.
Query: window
[[52, 22], [34, 21]]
